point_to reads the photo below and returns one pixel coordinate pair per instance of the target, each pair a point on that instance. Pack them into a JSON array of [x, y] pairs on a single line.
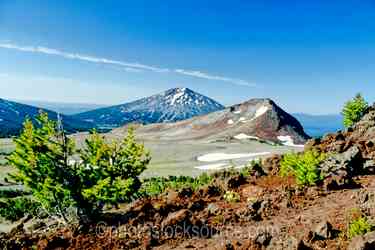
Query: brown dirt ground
[[286, 213]]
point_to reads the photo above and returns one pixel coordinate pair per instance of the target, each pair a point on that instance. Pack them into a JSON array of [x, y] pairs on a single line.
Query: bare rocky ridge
[[352, 151], [257, 119]]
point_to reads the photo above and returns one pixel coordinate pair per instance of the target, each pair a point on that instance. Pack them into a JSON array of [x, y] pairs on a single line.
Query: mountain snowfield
[[219, 157], [172, 105]]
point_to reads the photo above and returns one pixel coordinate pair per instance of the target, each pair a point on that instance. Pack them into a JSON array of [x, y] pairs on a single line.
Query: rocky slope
[[256, 119], [13, 114], [361, 135], [351, 151], [172, 105], [271, 213]]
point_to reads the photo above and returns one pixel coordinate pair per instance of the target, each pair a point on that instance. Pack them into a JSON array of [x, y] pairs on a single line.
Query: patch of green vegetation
[[14, 209], [359, 226], [232, 197], [304, 166], [157, 185]]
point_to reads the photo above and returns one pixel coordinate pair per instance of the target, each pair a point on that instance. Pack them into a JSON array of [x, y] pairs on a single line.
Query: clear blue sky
[[309, 56]]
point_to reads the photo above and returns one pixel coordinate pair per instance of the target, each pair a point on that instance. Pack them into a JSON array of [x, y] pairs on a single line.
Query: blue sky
[[309, 56]]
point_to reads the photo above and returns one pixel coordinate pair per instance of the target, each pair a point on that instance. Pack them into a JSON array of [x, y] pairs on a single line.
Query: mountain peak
[[182, 89], [183, 96], [178, 90], [171, 105]]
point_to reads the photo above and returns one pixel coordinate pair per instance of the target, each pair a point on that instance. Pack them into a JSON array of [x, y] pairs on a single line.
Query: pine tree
[[41, 158], [106, 173], [112, 170], [354, 110]]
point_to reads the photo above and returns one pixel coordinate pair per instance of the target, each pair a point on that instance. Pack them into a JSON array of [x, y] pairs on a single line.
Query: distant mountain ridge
[[13, 114], [63, 108], [172, 105]]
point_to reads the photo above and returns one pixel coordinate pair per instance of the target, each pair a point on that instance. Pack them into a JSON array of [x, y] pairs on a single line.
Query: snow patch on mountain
[[261, 111], [243, 136], [288, 141], [176, 96]]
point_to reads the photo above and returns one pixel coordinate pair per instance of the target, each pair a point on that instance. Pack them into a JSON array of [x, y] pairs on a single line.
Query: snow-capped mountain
[[13, 114], [170, 106]]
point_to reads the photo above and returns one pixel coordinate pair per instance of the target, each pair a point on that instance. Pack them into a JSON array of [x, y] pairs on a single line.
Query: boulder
[[263, 238], [185, 193], [271, 165], [257, 170], [339, 169], [212, 209], [336, 182], [210, 191], [366, 201], [369, 167], [196, 205], [365, 242], [312, 143], [236, 181], [323, 230], [176, 218], [229, 245]]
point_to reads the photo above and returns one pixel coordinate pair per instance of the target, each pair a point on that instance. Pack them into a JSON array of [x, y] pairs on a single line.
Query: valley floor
[[184, 157], [194, 157], [181, 157]]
